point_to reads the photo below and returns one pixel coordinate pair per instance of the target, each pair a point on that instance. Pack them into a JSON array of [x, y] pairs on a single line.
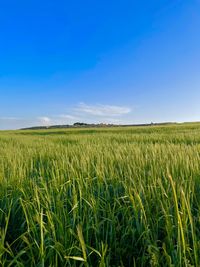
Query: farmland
[[100, 197]]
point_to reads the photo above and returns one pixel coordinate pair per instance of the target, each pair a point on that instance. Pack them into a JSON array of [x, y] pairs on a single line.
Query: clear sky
[[117, 61]]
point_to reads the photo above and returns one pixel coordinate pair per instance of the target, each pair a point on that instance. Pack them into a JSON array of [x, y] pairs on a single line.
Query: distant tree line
[[87, 125]]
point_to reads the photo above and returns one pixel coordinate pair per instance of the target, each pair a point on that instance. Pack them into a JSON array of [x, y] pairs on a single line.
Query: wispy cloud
[[10, 118], [44, 120], [80, 113], [102, 110], [66, 116]]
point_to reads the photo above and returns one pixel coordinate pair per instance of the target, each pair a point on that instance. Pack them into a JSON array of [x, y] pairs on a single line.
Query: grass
[[100, 197]]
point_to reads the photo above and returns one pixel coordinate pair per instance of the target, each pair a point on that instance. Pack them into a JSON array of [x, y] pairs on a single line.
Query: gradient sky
[[115, 61]]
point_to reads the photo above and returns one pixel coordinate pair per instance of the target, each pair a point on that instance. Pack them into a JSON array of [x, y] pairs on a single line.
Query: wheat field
[[100, 197]]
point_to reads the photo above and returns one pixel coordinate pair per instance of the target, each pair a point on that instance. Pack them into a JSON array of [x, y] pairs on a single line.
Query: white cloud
[[44, 120], [66, 116], [81, 113], [102, 110], [10, 118]]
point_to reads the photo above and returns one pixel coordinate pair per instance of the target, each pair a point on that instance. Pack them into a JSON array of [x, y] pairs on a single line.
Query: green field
[[100, 197]]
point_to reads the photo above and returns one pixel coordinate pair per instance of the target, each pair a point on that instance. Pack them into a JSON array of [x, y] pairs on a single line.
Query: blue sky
[[111, 61]]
